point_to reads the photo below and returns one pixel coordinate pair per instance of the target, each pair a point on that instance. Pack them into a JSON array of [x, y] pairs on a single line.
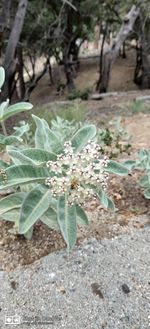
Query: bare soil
[[128, 197], [121, 79]]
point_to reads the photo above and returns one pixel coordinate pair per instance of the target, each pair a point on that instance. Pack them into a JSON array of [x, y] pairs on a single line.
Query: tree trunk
[[111, 54], [50, 70], [67, 48], [10, 63], [145, 55], [142, 70], [101, 60], [20, 72], [122, 51], [138, 73], [69, 73], [4, 17]]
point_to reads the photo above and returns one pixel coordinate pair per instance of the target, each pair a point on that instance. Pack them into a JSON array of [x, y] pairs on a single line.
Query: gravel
[[100, 285]]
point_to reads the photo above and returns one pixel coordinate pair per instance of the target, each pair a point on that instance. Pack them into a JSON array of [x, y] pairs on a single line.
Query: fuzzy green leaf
[[3, 107], [45, 138], [116, 168], [67, 222], [12, 139], [82, 218], [20, 131], [2, 139], [34, 206], [82, 137], [130, 164], [3, 165], [23, 174], [15, 109], [31, 156], [40, 133], [10, 202], [145, 181], [29, 233], [39, 156], [50, 219], [111, 205], [12, 216], [147, 193], [105, 200]]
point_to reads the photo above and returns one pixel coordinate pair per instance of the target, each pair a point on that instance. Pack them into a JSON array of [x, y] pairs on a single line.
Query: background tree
[[35, 29]]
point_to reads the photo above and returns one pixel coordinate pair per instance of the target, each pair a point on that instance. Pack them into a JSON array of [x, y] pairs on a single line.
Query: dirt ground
[[121, 79], [128, 197]]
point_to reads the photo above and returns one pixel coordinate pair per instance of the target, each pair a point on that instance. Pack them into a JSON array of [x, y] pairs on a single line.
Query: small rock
[[62, 290], [52, 275], [125, 288], [96, 290]]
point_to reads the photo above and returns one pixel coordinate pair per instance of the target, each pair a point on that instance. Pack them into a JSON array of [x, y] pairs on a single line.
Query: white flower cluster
[[74, 174]]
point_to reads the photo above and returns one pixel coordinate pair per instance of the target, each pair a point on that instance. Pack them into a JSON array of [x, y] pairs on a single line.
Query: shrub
[[83, 94], [143, 164], [53, 181], [114, 141]]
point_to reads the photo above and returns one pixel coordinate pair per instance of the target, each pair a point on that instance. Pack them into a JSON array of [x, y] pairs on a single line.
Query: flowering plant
[[6, 111], [53, 181], [77, 175]]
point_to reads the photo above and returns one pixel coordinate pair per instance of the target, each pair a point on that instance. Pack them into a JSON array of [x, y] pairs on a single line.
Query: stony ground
[[101, 285]]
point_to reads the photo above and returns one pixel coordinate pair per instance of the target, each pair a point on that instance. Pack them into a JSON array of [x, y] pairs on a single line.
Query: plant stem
[[4, 128]]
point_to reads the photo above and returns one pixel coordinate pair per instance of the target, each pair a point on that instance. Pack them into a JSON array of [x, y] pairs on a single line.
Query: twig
[[70, 4]]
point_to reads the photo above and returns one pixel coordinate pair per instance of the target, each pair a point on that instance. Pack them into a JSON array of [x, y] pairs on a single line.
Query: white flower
[[74, 172]]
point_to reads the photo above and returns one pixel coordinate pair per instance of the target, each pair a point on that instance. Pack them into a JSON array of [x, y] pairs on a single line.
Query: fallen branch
[[142, 98], [98, 97]]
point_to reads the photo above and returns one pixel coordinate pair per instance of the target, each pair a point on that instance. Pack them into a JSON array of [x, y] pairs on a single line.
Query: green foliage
[[117, 168], [67, 221], [115, 140], [45, 138], [137, 106], [7, 111], [31, 200], [83, 94], [32, 211], [73, 112], [143, 163], [82, 136], [27, 136], [64, 129], [105, 200], [17, 136]]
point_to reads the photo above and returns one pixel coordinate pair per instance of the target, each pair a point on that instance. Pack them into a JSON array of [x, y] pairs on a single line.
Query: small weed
[[72, 112], [137, 106], [84, 94]]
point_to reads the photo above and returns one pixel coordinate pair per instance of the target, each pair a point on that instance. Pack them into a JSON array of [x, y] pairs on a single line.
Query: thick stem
[[4, 128]]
